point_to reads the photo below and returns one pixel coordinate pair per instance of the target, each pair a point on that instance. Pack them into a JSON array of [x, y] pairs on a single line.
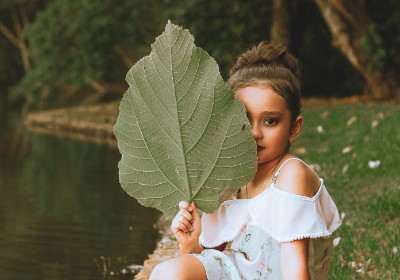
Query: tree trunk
[[348, 22], [18, 38], [280, 28]]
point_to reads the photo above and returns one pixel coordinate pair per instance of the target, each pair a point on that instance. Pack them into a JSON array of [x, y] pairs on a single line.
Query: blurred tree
[[280, 26], [18, 15], [383, 39], [93, 43], [223, 28], [353, 33], [15, 57], [325, 70], [226, 28], [80, 42]]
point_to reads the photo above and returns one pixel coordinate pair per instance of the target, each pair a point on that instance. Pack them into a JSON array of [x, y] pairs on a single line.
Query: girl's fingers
[[185, 205], [185, 227], [182, 223], [184, 219], [186, 214], [196, 220], [182, 226], [193, 206]]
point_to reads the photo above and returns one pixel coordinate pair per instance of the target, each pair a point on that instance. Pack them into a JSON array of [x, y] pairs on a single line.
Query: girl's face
[[270, 121]]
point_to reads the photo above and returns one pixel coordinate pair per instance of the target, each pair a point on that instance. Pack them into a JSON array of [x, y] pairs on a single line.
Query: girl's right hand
[[186, 226]]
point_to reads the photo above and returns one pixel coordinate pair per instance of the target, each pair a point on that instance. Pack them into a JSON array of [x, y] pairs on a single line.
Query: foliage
[[73, 42], [11, 70], [382, 40], [223, 28], [181, 132], [372, 42]]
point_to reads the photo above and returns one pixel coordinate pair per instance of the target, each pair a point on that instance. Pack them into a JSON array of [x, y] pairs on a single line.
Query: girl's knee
[[157, 272], [165, 270], [179, 268]]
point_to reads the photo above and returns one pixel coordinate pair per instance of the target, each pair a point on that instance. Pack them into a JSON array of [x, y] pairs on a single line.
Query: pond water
[[63, 214]]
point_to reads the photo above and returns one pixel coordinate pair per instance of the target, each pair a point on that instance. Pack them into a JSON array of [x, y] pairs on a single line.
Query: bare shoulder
[[297, 178]]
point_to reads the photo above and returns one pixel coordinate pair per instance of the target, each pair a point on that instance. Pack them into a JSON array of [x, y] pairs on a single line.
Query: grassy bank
[[342, 142]]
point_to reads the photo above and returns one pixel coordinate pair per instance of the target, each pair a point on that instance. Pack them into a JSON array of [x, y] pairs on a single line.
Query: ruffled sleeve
[[284, 216], [287, 217]]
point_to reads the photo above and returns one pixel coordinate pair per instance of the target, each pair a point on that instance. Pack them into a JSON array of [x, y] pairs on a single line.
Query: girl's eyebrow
[[268, 113]]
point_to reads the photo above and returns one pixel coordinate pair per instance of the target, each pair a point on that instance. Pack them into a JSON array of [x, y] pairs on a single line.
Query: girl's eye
[[270, 121]]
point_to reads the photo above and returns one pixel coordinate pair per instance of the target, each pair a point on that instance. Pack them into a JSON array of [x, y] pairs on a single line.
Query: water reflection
[[61, 207]]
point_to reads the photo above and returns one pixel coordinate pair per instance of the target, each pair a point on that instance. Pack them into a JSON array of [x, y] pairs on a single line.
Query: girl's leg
[[182, 268]]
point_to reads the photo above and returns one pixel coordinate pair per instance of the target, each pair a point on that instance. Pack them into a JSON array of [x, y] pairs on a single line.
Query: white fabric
[[285, 216]]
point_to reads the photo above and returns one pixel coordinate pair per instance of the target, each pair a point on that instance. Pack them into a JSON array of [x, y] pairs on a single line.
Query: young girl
[[279, 225]]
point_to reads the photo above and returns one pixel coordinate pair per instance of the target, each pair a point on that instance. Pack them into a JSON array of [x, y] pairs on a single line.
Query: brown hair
[[272, 66]]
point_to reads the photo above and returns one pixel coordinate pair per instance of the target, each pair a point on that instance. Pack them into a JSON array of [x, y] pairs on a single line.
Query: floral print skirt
[[252, 255]]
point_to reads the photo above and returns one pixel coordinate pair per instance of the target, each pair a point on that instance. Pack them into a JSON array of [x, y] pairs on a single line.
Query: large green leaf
[[181, 132]]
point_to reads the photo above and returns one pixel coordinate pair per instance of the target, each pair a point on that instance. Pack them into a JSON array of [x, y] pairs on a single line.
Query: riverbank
[[92, 123]]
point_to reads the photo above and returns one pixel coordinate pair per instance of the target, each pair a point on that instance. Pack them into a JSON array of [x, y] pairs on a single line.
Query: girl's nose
[[255, 130]]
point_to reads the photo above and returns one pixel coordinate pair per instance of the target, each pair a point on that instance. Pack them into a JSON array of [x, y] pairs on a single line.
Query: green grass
[[369, 197]]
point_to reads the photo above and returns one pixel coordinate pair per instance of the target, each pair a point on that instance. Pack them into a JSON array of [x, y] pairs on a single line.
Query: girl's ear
[[296, 129]]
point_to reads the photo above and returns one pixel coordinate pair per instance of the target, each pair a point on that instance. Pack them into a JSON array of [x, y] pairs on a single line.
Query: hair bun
[[267, 54], [269, 65]]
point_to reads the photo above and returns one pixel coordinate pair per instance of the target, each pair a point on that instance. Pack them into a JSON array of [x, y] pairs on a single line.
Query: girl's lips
[[260, 148]]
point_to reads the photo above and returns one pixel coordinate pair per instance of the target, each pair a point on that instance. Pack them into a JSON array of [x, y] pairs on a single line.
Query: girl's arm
[[186, 226], [294, 260], [294, 255]]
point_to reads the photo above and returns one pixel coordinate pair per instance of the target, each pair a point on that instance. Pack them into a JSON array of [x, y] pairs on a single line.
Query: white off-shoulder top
[[254, 229]]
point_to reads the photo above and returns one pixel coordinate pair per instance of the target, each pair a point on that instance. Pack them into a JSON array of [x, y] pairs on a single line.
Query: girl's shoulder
[[295, 176]]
